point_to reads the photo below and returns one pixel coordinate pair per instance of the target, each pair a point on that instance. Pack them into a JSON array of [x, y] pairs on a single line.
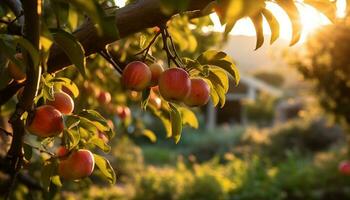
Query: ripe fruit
[[62, 151], [174, 84], [199, 94], [62, 102], [79, 164], [344, 168], [123, 112], [14, 71], [45, 122], [156, 71], [136, 76], [104, 97]]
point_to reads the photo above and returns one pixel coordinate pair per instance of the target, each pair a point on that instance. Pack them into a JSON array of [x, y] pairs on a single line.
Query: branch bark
[[130, 19], [32, 9]]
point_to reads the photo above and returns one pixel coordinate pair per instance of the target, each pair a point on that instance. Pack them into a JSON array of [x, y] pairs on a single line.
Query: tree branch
[[9, 91], [130, 19], [32, 9]]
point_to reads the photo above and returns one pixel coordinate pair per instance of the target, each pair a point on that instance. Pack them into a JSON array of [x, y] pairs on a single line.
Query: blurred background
[[281, 134]]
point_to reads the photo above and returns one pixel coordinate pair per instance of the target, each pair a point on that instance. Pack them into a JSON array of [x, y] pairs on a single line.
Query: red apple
[[62, 102], [136, 76], [174, 84], [123, 112], [79, 164], [104, 97], [344, 167], [62, 152], [45, 122], [156, 71], [199, 94]]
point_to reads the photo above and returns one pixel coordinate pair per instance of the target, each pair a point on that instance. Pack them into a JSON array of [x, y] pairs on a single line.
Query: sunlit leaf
[[100, 144], [222, 60], [258, 24], [176, 122], [150, 135], [69, 84], [274, 25], [188, 117], [106, 168], [293, 14], [72, 137]]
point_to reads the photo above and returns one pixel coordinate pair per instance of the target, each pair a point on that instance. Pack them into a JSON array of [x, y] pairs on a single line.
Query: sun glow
[[311, 19]]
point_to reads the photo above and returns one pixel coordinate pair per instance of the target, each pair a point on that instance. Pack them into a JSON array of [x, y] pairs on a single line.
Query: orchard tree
[[145, 52], [325, 61]]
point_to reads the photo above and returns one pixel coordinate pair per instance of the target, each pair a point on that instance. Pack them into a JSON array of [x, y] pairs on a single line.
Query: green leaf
[[218, 76], [71, 121], [68, 84], [48, 93], [176, 122], [71, 47], [95, 118], [100, 144], [106, 25], [293, 14], [188, 117], [213, 94], [6, 41], [28, 151], [105, 167], [258, 24], [150, 135], [47, 172], [145, 97], [56, 180], [222, 60], [72, 137], [273, 23]]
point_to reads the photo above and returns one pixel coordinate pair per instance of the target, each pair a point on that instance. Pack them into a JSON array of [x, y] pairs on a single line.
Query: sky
[[310, 18]]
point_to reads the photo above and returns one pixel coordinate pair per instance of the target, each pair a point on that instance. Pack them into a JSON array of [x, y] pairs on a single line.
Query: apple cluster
[[47, 121], [175, 84]]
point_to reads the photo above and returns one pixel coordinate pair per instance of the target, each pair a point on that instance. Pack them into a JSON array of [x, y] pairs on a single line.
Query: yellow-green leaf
[[273, 23], [106, 168]]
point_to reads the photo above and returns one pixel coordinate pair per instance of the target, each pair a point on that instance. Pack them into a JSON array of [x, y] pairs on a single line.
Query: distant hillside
[[241, 48], [267, 58]]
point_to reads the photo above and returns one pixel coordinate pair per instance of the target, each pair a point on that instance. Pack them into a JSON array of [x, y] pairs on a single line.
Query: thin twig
[[41, 150], [170, 55], [108, 58], [146, 50]]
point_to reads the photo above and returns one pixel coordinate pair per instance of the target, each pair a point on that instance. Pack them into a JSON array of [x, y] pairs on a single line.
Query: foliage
[[325, 62], [301, 135], [262, 111], [55, 30]]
